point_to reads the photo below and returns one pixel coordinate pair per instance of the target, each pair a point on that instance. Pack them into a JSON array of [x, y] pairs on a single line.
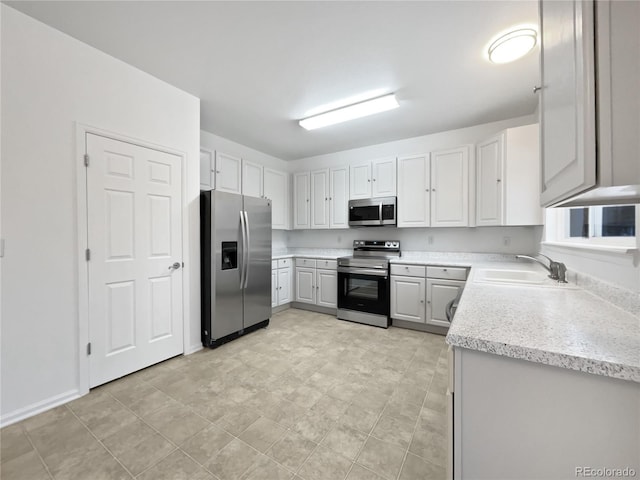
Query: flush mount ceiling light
[[513, 45], [350, 112]]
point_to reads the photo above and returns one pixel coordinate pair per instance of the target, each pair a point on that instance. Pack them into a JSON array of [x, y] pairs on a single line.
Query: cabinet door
[[251, 179], [439, 294], [339, 198], [284, 286], [276, 188], [450, 188], [408, 298], [327, 288], [274, 288], [521, 180], [305, 285], [360, 181], [413, 191], [228, 170], [567, 99], [383, 177], [320, 198], [301, 200], [489, 181], [206, 170]]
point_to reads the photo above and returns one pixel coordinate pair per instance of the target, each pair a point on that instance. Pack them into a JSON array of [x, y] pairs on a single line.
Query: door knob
[[175, 266]]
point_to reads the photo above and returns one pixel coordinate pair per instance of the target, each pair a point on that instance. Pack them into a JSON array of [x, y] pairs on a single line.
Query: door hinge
[[89, 348], [86, 159], [87, 254]]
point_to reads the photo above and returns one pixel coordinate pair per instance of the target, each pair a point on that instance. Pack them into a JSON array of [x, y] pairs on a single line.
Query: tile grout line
[[44, 464]]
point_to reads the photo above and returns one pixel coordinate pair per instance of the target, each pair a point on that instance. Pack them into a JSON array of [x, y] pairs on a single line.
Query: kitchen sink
[[511, 276], [518, 277]]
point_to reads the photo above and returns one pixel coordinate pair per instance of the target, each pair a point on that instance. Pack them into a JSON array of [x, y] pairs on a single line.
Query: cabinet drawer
[[306, 262], [284, 262], [408, 270], [327, 264], [447, 273], [274, 264]]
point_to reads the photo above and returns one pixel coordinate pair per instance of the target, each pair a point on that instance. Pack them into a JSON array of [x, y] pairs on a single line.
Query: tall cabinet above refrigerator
[[236, 265]]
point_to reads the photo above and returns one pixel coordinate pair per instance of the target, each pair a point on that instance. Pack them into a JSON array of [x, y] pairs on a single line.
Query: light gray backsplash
[[480, 239]]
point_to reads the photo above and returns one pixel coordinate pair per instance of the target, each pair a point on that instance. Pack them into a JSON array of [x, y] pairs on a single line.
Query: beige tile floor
[[310, 397]]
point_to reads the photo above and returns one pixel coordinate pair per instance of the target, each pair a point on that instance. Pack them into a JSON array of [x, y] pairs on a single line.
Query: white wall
[[411, 146], [478, 240], [214, 142], [49, 82]]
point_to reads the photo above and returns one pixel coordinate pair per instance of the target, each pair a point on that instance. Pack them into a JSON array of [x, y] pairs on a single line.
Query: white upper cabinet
[[414, 196], [450, 187], [320, 198], [508, 178], [301, 200], [376, 178], [339, 197], [489, 192], [360, 181], [276, 188], [207, 177], [252, 179], [567, 99], [228, 173], [521, 180], [383, 181], [579, 149]]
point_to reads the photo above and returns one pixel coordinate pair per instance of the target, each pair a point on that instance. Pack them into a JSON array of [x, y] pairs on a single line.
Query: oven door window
[[359, 214], [363, 293]]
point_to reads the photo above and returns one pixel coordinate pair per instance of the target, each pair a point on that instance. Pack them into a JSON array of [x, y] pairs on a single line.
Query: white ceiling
[[260, 66]]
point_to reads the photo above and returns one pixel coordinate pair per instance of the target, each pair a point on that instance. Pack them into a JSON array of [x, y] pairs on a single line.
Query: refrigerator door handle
[[247, 249], [244, 249]]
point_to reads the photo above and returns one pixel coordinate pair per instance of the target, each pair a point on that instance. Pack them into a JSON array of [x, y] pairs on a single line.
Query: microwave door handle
[[380, 212]]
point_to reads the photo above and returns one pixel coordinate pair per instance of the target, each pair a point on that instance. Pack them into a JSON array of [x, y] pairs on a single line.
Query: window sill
[[611, 249]]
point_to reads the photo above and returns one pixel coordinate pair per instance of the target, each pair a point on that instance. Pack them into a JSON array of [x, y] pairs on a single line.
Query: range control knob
[[387, 244]]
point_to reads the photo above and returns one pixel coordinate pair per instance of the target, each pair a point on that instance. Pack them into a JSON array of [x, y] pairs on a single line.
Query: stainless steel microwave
[[371, 212]]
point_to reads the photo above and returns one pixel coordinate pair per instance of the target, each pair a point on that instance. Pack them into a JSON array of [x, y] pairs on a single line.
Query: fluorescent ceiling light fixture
[[513, 45], [350, 112]]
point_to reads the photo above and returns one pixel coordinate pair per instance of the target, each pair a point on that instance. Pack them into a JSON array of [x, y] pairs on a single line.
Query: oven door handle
[[364, 271]]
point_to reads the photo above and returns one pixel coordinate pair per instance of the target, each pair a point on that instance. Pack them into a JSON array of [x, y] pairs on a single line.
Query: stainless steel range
[[363, 282]]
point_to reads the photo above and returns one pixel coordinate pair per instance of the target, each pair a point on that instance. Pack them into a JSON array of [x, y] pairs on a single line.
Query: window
[[611, 225], [589, 222]]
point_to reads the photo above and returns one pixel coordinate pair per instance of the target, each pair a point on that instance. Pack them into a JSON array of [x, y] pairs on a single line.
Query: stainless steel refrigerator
[[236, 265]]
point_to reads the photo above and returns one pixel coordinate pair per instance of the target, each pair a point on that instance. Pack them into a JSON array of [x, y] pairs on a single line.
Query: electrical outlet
[[506, 241], [430, 240]]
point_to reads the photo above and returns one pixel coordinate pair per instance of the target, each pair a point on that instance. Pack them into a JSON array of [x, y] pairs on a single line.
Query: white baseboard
[[38, 407], [193, 349]]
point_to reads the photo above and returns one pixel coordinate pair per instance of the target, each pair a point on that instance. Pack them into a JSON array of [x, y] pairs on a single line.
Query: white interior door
[[135, 240]]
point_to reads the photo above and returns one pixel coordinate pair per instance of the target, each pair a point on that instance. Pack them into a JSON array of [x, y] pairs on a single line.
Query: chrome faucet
[[557, 271]]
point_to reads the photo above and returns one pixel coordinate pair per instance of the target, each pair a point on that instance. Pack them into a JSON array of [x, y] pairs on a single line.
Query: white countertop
[[559, 325]]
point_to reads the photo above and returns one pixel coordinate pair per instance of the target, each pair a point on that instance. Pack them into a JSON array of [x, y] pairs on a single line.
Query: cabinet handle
[[433, 189], [374, 179], [444, 269], [499, 180], [427, 190], [421, 301], [307, 199], [536, 89], [329, 198], [368, 180], [217, 171], [326, 198], [428, 301]]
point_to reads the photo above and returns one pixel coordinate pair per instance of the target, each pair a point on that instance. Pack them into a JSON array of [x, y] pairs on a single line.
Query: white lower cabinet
[[408, 298], [421, 294], [317, 286], [327, 288], [439, 294], [281, 282], [305, 285]]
